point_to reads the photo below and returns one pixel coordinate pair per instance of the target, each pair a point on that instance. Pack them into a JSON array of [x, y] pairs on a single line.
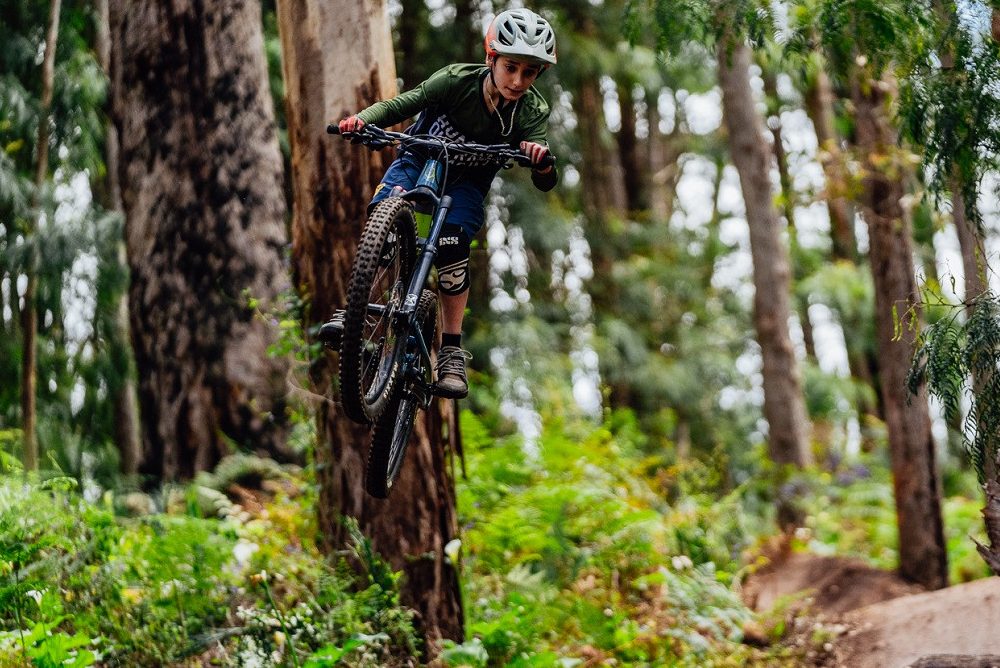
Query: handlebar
[[376, 138]]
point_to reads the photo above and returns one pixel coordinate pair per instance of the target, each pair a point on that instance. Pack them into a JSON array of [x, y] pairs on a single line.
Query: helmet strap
[[492, 61]]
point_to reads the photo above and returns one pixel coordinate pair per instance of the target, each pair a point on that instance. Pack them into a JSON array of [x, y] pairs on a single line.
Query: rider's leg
[[453, 311], [453, 289]]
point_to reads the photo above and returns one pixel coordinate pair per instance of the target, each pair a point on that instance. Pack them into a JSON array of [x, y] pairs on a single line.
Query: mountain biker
[[469, 103]]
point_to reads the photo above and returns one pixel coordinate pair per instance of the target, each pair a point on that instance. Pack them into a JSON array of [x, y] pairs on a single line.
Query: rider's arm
[[543, 180], [409, 104]]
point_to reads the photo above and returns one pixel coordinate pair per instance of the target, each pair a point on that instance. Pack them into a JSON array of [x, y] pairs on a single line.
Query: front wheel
[[392, 430], [372, 345]]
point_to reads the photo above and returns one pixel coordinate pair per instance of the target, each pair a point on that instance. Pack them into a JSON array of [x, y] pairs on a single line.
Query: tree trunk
[[202, 195], [663, 154], [633, 171], [413, 20], [784, 404], [819, 98], [819, 107], [603, 191], [333, 182], [918, 506], [970, 242], [29, 314], [124, 397], [468, 35], [788, 205]]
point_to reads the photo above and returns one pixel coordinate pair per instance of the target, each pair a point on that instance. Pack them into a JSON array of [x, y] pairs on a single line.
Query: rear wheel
[[372, 348], [392, 430]]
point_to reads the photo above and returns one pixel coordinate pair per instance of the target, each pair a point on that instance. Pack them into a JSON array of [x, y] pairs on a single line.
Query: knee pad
[[453, 260]]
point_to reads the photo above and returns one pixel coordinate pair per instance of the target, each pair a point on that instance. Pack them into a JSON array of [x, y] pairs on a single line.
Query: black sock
[[451, 339]]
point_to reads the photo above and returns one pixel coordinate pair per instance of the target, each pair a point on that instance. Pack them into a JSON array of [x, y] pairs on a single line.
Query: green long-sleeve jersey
[[450, 103]]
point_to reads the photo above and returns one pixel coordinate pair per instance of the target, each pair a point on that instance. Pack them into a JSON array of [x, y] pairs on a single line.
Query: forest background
[[755, 312]]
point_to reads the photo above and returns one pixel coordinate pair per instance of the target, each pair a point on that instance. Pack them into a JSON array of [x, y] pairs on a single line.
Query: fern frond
[[945, 368], [963, 360]]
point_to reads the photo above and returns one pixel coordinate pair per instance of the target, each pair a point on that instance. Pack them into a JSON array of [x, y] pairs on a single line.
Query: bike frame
[[427, 189]]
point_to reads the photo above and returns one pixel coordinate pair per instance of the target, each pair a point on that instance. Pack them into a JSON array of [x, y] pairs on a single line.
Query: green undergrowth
[[199, 582], [583, 548], [573, 555], [587, 547]]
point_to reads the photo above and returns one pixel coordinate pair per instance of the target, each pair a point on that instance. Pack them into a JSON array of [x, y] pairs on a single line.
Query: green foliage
[[959, 360], [849, 512], [703, 21], [879, 31], [574, 549], [79, 585], [952, 110], [83, 358]]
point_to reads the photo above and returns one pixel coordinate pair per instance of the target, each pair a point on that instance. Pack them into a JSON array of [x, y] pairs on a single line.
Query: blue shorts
[[466, 209]]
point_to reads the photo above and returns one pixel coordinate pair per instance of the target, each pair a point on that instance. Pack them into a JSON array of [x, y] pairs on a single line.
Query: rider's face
[[513, 78]]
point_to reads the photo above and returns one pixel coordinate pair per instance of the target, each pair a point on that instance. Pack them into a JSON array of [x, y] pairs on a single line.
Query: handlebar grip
[[333, 129], [547, 161]]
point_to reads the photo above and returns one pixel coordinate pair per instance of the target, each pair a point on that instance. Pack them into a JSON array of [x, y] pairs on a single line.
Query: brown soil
[[872, 619], [828, 585]]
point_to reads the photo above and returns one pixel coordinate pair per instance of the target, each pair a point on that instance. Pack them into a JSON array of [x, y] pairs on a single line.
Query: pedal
[[332, 332], [443, 393]]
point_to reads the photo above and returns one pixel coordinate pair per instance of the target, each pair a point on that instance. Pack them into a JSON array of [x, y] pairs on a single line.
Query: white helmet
[[521, 34]]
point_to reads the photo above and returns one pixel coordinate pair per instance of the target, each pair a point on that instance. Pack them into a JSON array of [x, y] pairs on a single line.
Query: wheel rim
[[379, 338]]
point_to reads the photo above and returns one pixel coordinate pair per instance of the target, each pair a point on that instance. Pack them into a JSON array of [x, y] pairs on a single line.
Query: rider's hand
[[351, 124], [536, 152]]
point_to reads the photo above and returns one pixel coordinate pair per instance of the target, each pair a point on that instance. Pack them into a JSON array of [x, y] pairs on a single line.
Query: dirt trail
[[882, 621], [963, 619]]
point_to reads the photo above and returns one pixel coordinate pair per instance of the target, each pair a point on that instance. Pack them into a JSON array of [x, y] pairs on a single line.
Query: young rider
[[470, 103]]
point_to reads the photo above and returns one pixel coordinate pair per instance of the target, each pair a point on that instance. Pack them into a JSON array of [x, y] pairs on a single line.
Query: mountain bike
[[390, 319]]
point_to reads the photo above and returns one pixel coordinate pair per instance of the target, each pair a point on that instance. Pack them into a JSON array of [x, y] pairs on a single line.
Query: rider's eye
[[511, 69]]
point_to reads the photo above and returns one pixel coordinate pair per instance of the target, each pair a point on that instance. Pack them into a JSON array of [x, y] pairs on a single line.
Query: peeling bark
[[333, 182], [204, 207]]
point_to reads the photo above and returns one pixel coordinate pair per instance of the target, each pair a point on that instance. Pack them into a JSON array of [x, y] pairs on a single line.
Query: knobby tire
[[392, 430], [371, 350]]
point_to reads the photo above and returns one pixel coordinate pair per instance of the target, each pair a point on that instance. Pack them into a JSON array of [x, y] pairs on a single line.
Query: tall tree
[[820, 98], [798, 255], [201, 189], [861, 39], [918, 504], [29, 314], [123, 392], [951, 107], [727, 26], [784, 404], [333, 182]]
